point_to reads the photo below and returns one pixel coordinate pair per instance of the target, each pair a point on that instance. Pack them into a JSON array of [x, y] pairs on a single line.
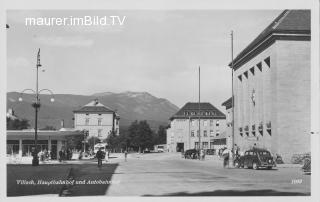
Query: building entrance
[[180, 146]]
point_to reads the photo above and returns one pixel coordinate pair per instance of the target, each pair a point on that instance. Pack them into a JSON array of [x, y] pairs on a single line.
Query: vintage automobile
[[191, 154], [256, 158]]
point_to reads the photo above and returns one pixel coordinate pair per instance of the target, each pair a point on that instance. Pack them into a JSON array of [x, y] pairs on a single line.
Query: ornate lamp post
[[36, 105]]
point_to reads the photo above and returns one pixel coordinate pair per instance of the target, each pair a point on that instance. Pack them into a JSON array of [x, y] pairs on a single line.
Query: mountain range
[[129, 105]]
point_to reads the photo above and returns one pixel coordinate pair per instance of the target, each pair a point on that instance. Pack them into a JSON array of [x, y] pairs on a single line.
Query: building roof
[[207, 111], [289, 25], [94, 107], [227, 103], [41, 133]]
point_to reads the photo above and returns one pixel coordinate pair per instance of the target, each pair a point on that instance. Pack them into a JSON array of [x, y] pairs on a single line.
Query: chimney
[[62, 123]]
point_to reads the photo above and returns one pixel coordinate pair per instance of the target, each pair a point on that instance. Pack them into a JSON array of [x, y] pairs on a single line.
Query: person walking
[[226, 155], [99, 156], [125, 155]]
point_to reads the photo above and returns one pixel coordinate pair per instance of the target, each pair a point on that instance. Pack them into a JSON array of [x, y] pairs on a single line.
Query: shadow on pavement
[[29, 176], [262, 192], [58, 173], [96, 180]]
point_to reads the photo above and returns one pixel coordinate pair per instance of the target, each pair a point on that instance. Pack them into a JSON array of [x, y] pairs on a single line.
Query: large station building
[[183, 133], [272, 87]]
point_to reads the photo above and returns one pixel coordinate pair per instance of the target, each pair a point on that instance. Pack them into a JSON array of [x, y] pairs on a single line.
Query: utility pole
[[199, 115], [232, 98]]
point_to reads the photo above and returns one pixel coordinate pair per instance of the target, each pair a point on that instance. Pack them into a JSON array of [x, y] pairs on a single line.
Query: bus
[[102, 146]]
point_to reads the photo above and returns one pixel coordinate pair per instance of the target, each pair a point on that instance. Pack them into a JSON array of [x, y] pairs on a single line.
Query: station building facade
[[272, 87], [183, 133]]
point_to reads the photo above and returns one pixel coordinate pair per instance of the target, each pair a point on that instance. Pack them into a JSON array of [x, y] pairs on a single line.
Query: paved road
[[164, 174], [169, 174]]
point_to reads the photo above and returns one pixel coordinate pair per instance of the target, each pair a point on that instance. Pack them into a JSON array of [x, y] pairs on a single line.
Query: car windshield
[[264, 153]]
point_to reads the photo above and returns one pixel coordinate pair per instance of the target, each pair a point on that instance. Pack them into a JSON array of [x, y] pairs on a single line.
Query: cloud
[[65, 41], [18, 62]]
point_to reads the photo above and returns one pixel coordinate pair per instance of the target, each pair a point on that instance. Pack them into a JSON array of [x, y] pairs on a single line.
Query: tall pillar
[[49, 144], [20, 147]]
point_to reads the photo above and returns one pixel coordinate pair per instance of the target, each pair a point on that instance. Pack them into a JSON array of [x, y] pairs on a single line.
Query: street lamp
[[36, 105]]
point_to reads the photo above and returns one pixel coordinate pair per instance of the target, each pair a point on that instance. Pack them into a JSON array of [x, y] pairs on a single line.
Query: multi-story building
[[184, 131], [97, 119], [272, 87]]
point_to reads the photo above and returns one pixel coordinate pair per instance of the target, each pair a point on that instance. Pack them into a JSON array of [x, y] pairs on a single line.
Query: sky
[[154, 51]]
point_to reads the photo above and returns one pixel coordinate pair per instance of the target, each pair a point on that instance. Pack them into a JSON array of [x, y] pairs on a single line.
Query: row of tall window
[[206, 122], [254, 130], [205, 145], [87, 120], [202, 113], [252, 69], [205, 133]]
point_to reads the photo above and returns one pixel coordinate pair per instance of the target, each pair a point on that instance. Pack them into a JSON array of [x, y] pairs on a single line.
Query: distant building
[[272, 87], [184, 132], [228, 132], [96, 118]]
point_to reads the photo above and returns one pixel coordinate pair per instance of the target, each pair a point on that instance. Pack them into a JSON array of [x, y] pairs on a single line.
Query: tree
[[75, 141], [162, 135], [140, 135], [112, 141], [92, 141], [17, 124]]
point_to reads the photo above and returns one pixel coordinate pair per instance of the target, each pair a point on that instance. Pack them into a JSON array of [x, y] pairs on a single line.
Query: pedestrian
[[99, 156], [125, 155], [226, 154], [60, 155], [201, 154]]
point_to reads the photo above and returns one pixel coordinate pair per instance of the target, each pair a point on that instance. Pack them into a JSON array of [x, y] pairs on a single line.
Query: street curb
[[289, 166]]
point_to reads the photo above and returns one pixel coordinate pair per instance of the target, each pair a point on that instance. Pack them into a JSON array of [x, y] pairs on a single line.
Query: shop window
[[205, 133], [205, 145], [87, 121], [99, 132], [211, 122], [211, 133]]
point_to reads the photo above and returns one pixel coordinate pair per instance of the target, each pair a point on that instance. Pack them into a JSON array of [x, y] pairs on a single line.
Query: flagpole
[[199, 115], [232, 98]]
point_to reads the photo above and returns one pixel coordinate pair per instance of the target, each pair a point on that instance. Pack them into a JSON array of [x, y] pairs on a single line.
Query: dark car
[[191, 154], [210, 152], [256, 158]]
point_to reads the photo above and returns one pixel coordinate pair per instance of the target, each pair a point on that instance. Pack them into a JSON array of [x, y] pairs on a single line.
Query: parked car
[[210, 152], [307, 165], [191, 154], [256, 158]]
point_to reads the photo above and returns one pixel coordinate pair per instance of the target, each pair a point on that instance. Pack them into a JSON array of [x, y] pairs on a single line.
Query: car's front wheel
[[255, 166]]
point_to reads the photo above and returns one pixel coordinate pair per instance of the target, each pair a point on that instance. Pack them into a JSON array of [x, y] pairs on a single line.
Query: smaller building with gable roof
[[97, 119]]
